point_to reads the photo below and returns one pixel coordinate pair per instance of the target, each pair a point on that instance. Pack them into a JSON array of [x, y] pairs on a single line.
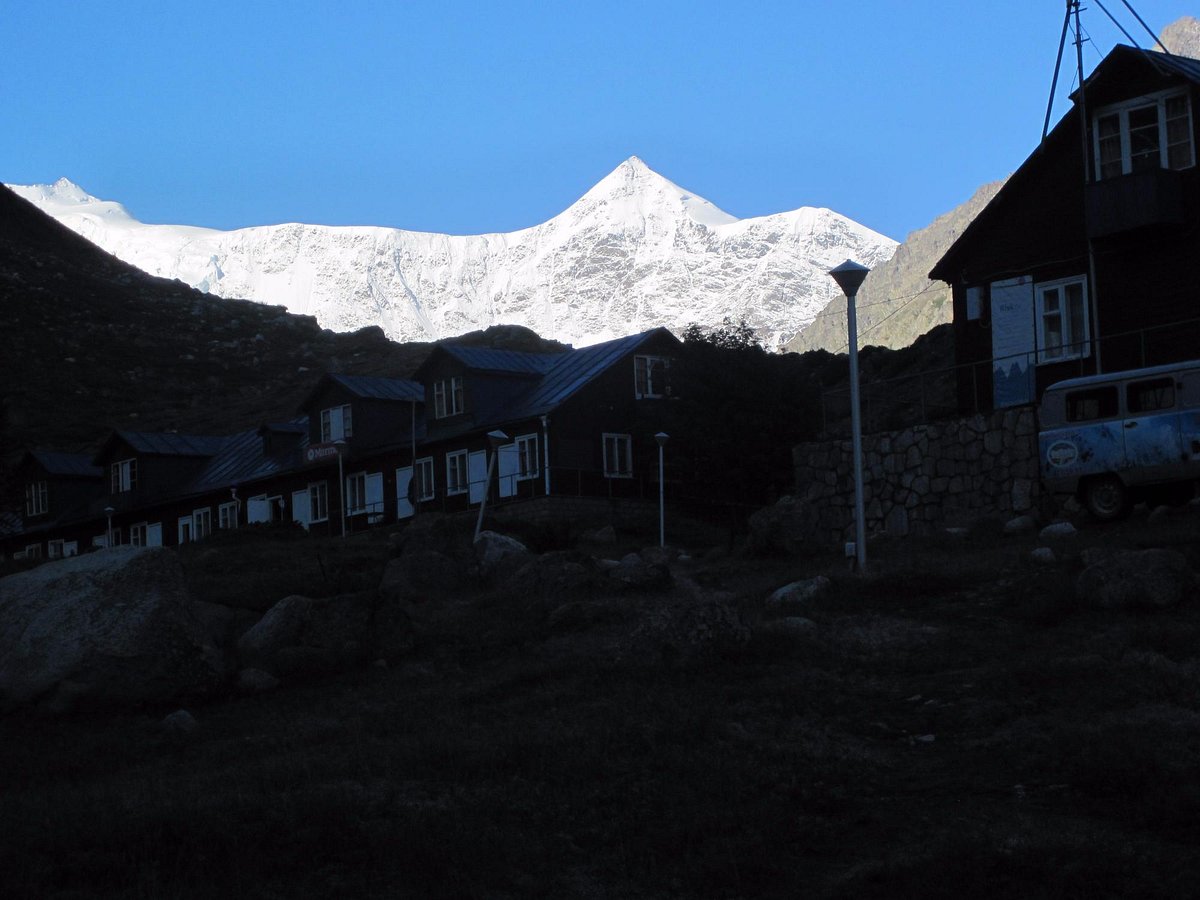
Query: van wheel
[[1106, 498]]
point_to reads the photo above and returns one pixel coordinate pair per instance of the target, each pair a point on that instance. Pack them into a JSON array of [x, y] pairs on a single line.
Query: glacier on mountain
[[636, 251]]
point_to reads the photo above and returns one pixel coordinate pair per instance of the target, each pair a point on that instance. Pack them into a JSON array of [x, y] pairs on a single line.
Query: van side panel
[[1078, 450]]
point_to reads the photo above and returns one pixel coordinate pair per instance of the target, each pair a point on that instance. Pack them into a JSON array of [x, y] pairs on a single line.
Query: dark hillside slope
[[89, 342]]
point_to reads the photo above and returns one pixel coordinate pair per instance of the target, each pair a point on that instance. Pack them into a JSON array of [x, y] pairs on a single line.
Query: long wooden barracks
[[364, 451]]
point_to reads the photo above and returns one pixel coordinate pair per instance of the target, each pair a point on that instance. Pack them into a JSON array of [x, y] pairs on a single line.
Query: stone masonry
[[923, 476]]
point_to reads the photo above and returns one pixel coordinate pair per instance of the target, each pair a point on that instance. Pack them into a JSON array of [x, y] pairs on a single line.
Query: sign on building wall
[[1013, 341]]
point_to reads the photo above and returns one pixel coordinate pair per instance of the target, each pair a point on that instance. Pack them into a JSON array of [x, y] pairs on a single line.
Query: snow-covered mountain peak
[[634, 252], [635, 190]]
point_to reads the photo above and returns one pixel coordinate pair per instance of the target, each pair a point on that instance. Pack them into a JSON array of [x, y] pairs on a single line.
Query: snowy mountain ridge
[[636, 251]]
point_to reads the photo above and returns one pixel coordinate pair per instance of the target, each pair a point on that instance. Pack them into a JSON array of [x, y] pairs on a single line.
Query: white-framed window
[[33, 551], [1062, 319], [448, 397], [123, 475], [318, 501], [227, 515], [650, 376], [37, 498], [137, 534], [201, 523], [527, 457], [54, 549], [356, 493], [337, 423], [456, 472], [1151, 132], [618, 456], [184, 529], [423, 477]]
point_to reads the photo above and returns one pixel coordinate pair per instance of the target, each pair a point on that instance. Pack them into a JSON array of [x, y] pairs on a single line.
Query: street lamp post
[[495, 440], [662, 438], [849, 276], [341, 448]]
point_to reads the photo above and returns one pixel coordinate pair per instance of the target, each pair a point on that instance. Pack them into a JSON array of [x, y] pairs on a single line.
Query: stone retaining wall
[[921, 477]]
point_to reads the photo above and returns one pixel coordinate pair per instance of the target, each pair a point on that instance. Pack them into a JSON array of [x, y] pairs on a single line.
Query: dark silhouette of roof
[[381, 388], [71, 465]]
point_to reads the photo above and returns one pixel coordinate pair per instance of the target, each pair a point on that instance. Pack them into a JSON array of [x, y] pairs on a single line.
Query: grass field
[[953, 725]]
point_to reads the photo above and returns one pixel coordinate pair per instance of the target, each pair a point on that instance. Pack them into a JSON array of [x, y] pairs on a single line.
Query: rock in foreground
[[114, 626]]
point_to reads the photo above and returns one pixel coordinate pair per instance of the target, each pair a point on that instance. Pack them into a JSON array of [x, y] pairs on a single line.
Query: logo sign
[[319, 453], [1062, 453]]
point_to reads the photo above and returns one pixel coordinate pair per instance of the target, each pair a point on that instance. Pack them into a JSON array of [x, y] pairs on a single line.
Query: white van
[[1117, 438]]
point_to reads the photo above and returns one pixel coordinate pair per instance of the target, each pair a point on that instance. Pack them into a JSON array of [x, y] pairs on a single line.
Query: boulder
[[280, 626], [117, 625], [798, 593], [422, 573], [498, 555], [180, 723], [300, 634], [256, 681], [603, 535], [1057, 531], [557, 576], [785, 529], [1020, 525], [793, 626], [1146, 579], [691, 627], [634, 573], [1043, 555]]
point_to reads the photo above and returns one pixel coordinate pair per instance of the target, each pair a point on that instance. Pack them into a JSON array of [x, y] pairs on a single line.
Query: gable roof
[[163, 443], [498, 362], [69, 465], [375, 388], [240, 459]]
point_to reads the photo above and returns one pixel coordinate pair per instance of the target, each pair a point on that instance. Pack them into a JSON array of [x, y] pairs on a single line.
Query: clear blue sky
[[488, 116]]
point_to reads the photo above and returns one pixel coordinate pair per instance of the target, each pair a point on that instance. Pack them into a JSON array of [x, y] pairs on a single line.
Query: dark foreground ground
[[955, 725]]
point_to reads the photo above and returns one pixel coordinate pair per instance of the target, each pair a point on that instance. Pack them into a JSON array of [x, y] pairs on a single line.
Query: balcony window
[[1145, 134]]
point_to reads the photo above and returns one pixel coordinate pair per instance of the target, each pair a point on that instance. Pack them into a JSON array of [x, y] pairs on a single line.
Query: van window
[[1147, 396], [1094, 403]]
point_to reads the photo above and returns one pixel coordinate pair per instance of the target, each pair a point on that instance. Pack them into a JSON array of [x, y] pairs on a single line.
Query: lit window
[[448, 397], [356, 493], [650, 376], [423, 476], [1143, 135], [36, 498], [618, 456], [527, 457], [337, 424], [456, 472], [201, 523], [318, 501], [124, 476], [1062, 320]]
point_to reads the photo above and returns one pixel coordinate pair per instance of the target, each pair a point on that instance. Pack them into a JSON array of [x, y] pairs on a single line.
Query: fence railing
[[981, 385]]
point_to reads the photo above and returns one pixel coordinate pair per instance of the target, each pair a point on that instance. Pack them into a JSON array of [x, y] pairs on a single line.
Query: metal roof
[[486, 359], [1108, 377], [170, 444], [240, 459], [381, 388], [570, 372], [78, 465]]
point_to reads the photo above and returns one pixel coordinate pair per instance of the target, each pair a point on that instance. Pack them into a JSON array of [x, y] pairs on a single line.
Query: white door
[[185, 529], [258, 509], [375, 497], [404, 509], [301, 508], [507, 467], [154, 535], [477, 475]]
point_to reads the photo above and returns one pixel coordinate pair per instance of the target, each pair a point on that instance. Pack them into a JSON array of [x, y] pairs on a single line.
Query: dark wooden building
[[1083, 262]]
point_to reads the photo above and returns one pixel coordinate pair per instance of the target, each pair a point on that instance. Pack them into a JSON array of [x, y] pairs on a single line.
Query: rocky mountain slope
[[897, 302], [636, 251]]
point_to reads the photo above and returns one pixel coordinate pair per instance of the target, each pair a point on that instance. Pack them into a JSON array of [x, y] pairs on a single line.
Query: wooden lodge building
[[1085, 261], [369, 451]]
